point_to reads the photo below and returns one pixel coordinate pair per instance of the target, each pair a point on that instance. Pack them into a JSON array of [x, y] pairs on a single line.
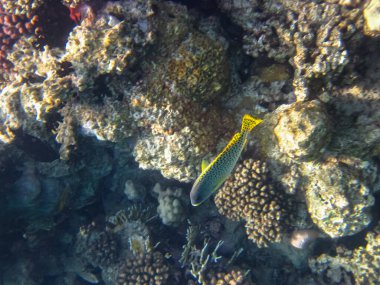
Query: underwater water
[[212, 142]]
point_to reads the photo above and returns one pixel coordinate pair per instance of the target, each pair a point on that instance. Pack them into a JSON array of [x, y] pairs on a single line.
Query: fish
[[214, 174]]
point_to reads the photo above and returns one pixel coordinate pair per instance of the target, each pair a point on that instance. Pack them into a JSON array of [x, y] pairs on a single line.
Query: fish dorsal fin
[[234, 139], [249, 122], [204, 164]]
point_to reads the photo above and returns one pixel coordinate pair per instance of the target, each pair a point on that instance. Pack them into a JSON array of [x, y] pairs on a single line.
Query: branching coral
[[98, 248], [363, 262], [207, 266], [249, 195], [147, 268]]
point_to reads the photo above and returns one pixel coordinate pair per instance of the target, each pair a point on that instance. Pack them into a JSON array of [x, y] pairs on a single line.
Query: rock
[[339, 194], [371, 15], [303, 130]]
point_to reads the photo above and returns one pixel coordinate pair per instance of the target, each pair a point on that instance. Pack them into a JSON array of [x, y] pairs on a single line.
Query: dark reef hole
[[53, 118], [56, 23], [101, 90], [9, 173]]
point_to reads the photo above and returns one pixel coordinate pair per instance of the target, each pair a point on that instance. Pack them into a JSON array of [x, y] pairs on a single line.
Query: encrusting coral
[[171, 105], [250, 196]]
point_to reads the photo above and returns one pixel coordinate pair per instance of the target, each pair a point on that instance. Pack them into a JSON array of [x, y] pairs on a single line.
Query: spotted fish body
[[213, 176]]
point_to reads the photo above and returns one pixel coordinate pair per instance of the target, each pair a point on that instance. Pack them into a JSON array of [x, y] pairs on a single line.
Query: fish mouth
[[195, 204]]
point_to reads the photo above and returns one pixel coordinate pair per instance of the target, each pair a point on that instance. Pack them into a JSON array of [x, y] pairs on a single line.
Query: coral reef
[[316, 36], [303, 130], [101, 101], [107, 45], [16, 20], [173, 204], [339, 194], [134, 192], [357, 104], [232, 277], [99, 248], [295, 132], [147, 268], [198, 69], [205, 264], [33, 99], [20, 7], [362, 262], [371, 17], [180, 125], [250, 196]]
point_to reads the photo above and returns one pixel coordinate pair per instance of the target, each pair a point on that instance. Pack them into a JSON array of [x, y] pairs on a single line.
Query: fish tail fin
[[249, 123]]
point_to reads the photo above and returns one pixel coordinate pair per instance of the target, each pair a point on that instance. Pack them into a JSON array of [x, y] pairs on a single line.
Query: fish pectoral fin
[[204, 164]]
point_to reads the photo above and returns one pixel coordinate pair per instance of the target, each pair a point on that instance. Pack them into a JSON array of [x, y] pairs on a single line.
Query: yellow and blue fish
[[214, 174]]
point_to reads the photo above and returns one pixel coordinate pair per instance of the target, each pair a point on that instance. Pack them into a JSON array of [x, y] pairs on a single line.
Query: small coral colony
[[213, 142]]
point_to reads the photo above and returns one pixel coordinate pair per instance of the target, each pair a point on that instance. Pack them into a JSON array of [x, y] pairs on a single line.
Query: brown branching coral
[[144, 268], [234, 276], [231, 277], [249, 195]]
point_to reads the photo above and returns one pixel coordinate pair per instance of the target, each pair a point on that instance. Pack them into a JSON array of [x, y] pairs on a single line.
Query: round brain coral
[[249, 195]]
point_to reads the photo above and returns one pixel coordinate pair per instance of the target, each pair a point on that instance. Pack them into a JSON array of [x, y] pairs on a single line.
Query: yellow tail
[[249, 123]]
